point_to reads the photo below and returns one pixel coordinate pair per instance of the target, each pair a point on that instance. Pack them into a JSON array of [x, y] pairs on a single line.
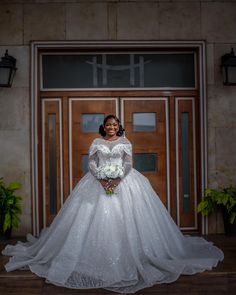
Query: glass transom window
[[118, 70]]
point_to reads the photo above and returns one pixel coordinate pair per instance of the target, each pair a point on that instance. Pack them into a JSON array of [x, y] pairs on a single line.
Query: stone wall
[[23, 21]]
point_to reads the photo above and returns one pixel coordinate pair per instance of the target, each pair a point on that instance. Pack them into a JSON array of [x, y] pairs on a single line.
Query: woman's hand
[[113, 183], [103, 183]]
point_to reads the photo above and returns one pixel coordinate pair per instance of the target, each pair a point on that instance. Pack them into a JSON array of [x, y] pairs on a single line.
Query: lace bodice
[[103, 152]]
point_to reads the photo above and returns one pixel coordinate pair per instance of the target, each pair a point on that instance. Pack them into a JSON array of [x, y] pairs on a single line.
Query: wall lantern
[[7, 70], [228, 64]]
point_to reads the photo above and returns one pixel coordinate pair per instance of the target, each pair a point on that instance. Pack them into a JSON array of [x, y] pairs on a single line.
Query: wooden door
[[85, 117], [69, 125], [146, 124], [187, 158], [50, 157]]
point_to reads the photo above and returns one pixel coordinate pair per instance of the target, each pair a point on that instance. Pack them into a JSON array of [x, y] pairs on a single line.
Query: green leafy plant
[[215, 198], [10, 206]]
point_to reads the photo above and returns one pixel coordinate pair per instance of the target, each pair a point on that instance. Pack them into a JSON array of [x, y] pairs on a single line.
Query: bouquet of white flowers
[[110, 171]]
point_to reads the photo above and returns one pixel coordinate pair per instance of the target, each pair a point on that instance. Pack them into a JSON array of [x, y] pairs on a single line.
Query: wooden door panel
[[81, 140], [52, 160], [149, 142], [186, 160]]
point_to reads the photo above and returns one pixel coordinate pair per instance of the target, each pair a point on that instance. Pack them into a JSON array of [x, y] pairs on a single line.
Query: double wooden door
[[162, 129]]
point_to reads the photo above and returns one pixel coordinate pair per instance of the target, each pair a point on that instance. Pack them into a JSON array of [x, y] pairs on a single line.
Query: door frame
[[38, 46]]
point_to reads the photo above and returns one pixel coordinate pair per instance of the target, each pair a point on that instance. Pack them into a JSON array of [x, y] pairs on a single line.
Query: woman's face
[[111, 127]]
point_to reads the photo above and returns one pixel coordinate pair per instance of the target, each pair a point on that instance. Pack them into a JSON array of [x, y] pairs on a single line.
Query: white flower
[[110, 171]]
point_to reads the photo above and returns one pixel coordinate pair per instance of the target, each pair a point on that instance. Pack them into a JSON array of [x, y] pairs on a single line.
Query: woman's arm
[[93, 167], [127, 163]]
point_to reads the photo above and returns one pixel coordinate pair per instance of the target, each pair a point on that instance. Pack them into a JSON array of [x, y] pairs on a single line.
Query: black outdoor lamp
[[7, 70], [228, 63]]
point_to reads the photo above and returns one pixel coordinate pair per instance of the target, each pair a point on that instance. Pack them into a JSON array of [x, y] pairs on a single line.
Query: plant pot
[[230, 228], [6, 235]]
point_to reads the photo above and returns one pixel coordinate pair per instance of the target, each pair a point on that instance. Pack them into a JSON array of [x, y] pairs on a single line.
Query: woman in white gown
[[123, 241]]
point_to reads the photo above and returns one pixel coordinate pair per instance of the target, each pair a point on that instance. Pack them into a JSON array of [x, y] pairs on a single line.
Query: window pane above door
[[118, 70]]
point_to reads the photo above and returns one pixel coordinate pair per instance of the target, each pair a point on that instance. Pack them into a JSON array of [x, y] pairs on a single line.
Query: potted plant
[[224, 198], [10, 208]]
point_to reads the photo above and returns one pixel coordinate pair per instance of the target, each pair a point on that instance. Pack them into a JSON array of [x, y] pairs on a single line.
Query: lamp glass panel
[[232, 74], [12, 76], [4, 75], [224, 72]]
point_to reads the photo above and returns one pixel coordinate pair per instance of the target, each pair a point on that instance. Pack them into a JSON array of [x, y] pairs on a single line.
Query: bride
[[113, 232]]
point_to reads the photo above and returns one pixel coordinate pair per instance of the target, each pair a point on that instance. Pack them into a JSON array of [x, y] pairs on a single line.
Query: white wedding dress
[[123, 242]]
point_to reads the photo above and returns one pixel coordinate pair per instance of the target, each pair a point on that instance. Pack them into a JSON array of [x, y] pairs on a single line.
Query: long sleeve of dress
[[127, 159], [93, 164], [93, 160]]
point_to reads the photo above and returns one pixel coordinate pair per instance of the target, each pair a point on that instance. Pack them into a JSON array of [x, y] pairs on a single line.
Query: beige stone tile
[[210, 63], [226, 176], [112, 21], [86, 21], [14, 109], [15, 150], [212, 219], [219, 222], [212, 179], [221, 106], [211, 149], [21, 53], [25, 225], [137, 21], [225, 155], [180, 20], [11, 24], [44, 22], [218, 21]]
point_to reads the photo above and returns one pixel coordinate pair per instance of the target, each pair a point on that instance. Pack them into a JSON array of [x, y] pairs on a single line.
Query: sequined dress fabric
[[123, 243]]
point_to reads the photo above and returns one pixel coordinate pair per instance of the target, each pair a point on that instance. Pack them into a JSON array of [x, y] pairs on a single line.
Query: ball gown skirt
[[123, 243]]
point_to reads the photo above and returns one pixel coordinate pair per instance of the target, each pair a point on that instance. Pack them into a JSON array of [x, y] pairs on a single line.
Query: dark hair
[[121, 130]]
